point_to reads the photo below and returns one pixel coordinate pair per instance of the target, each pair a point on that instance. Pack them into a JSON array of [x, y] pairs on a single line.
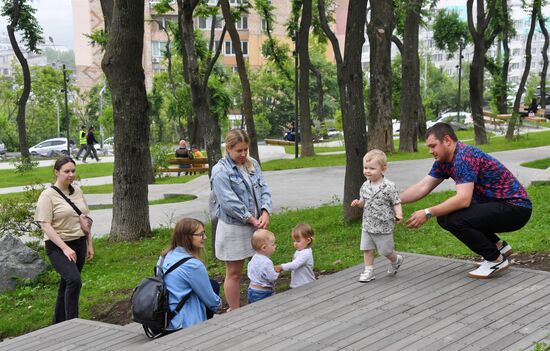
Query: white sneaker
[[488, 269], [367, 275], [506, 249], [394, 267]]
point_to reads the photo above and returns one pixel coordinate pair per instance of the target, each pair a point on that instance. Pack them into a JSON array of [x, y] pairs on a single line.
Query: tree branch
[[398, 43], [329, 33]]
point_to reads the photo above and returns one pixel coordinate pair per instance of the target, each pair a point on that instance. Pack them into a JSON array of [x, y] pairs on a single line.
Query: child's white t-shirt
[[301, 267], [261, 271]]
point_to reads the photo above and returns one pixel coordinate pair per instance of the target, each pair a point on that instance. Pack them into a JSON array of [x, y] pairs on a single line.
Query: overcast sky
[[55, 17]]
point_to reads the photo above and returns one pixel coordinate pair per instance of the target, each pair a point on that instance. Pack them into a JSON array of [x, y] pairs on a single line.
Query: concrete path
[[300, 188]]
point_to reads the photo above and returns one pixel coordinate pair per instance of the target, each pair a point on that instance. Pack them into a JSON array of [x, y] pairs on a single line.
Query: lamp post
[[67, 122], [296, 108], [461, 47], [101, 92]]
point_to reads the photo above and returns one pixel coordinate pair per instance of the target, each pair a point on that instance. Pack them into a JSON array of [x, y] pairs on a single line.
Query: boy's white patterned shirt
[[378, 213]]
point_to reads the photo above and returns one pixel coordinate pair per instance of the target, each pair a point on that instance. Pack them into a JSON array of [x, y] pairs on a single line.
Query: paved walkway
[[429, 305]]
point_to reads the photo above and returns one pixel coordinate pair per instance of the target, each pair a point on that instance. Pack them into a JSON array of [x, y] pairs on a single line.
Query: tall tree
[[535, 8], [21, 18], [302, 37], [379, 31], [477, 67], [350, 84], [542, 25], [200, 95], [243, 76], [122, 64], [412, 112]]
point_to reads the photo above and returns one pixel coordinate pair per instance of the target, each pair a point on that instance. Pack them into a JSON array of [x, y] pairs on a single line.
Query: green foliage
[[541, 346], [449, 31], [27, 24], [98, 37], [160, 154], [17, 213], [23, 166]]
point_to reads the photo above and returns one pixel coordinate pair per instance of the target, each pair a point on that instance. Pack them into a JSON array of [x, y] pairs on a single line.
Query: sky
[[55, 17]]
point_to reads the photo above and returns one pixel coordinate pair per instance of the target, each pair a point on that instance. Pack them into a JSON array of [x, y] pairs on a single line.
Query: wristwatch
[[428, 213]]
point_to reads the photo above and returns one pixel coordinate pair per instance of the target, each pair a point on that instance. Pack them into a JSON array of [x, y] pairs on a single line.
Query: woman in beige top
[[66, 244]]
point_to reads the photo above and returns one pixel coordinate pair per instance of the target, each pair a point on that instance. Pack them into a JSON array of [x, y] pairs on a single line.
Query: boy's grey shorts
[[381, 242]]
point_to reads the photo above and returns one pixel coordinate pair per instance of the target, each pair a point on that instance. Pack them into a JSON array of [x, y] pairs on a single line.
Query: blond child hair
[[378, 156], [261, 237]]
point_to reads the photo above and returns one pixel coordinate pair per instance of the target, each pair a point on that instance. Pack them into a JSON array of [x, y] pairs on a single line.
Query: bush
[[160, 154], [24, 165], [17, 215]]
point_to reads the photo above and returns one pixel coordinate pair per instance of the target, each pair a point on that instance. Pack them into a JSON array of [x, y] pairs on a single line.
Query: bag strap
[[173, 267], [78, 212]]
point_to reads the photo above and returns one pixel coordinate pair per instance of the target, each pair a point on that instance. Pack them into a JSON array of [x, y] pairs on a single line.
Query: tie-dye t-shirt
[[492, 181]]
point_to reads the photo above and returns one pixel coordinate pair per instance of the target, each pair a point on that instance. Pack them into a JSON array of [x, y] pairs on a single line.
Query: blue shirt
[[190, 277], [493, 182]]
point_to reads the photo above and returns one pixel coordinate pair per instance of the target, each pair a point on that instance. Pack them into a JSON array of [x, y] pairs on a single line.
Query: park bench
[[278, 142], [494, 118], [197, 164]]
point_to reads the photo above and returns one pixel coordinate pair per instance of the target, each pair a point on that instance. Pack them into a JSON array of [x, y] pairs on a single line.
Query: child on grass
[[302, 261], [381, 210], [261, 272]]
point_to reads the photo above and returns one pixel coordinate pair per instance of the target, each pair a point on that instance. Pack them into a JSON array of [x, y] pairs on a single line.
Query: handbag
[[85, 221]]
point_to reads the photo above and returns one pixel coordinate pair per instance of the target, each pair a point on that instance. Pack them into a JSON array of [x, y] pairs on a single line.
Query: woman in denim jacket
[[243, 205]]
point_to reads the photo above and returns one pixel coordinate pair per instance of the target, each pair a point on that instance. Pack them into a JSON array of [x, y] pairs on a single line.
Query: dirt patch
[[119, 312]]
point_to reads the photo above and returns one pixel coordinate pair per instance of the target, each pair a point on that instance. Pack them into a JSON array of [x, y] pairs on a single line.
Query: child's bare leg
[[368, 256], [392, 257]]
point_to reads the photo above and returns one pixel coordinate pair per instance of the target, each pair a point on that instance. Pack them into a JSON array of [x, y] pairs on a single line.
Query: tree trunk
[[303, 54], [22, 102], [352, 104], [243, 75], [320, 96], [542, 25], [379, 31], [122, 65], [477, 69], [528, 57], [200, 95], [411, 101], [502, 100]]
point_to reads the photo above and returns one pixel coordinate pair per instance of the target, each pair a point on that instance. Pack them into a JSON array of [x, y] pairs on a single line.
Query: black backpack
[[150, 302]]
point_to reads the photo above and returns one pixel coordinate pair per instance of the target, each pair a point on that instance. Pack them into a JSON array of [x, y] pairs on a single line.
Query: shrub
[[17, 214]]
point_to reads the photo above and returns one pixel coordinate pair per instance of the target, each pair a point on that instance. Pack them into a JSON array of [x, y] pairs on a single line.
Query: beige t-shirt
[[54, 209]]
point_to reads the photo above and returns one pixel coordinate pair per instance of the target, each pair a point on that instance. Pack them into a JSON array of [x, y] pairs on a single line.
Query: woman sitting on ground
[[189, 278]]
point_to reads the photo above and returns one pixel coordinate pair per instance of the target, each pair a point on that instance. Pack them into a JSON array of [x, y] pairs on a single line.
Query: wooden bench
[[195, 165], [494, 118], [278, 142]]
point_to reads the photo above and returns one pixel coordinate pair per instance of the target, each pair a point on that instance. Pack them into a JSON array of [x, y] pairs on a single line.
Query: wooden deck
[[430, 305]]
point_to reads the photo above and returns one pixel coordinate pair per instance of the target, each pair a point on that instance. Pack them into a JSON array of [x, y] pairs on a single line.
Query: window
[[516, 52], [229, 48], [202, 23], [242, 23], [514, 66], [157, 48], [437, 57]]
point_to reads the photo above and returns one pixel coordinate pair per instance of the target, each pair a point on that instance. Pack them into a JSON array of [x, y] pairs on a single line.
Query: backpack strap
[[186, 297], [76, 209]]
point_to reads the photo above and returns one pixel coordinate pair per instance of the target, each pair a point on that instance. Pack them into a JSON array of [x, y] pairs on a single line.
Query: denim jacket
[[233, 194]]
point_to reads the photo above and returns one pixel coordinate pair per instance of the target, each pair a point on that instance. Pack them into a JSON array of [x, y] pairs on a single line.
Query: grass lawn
[[539, 164], [118, 267], [167, 200]]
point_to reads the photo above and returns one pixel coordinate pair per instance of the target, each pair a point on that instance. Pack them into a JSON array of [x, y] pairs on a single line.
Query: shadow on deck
[[430, 305]]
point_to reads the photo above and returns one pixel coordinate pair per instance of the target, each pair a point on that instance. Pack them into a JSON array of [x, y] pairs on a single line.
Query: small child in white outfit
[[381, 210], [302, 261], [261, 272]]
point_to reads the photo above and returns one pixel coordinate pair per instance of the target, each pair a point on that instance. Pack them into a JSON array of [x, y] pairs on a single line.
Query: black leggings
[[66, 306], [476, 225]]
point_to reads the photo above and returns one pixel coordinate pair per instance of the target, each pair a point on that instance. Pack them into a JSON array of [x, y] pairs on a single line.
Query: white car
[[448, 117], [50, 147], [2, 148]]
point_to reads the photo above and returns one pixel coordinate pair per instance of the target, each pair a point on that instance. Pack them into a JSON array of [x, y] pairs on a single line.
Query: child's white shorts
[[383, 243]]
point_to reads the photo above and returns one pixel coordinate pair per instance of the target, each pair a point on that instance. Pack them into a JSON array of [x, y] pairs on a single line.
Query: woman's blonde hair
[[183, 236], [234, 137], [303, 230]]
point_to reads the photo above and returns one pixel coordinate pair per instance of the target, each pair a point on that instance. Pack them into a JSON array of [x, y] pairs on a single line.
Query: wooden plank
[[184, 170], [188, 161], [278, 142]]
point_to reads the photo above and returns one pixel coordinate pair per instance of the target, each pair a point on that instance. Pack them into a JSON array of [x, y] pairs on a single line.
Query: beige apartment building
[[88, 17]]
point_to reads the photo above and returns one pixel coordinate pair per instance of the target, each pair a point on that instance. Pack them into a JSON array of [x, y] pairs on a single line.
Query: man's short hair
[[83, 127], [439, 130]]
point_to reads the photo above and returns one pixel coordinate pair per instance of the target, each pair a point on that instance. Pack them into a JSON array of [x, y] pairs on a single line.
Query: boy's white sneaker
[[506, 249], [394, 267], [488, 269], [367, 275]]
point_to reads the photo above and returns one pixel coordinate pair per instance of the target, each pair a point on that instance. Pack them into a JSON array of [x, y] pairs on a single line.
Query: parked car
[[2, 148], [50, 147], [456, 121], [332, 133]]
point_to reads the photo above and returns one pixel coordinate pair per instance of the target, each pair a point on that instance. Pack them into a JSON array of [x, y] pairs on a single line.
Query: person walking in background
[[488, 199], [66, 244], [243, 204], [302, 261], [91, 141], [189, 278], [82, 139], [381, 206], [261, 271]]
